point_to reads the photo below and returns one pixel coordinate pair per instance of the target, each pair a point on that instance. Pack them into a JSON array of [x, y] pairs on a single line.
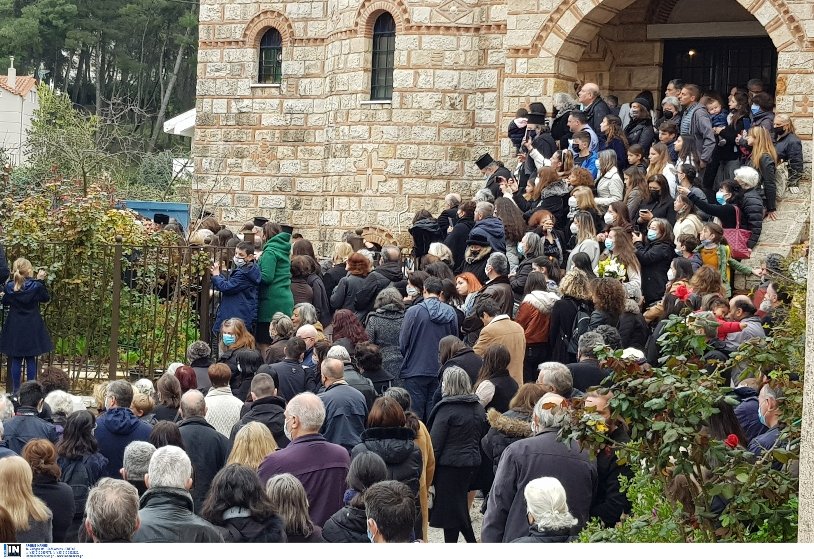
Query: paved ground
[[437, 535]]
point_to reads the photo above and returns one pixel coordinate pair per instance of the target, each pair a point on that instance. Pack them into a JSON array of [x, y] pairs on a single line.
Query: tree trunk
[[80, 72], [165, 99], [99, 75]]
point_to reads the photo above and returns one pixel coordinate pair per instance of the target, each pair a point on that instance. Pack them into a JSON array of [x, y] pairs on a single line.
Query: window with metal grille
[[384, 49], [271, 57]]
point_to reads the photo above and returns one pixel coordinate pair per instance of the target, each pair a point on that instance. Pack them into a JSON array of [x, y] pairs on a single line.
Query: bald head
[[588, 93], [333, 370], [740, 307], [193, 404], [304, 414], [308, 334]]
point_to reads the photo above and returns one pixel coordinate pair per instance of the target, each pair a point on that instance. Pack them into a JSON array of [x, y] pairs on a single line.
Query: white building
[[18, 100]]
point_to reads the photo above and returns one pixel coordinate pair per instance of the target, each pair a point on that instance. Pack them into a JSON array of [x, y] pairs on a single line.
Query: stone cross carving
[[370, 171]]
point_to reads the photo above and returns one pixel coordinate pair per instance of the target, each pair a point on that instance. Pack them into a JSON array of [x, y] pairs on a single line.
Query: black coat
[[560, 130], [396, 446], [504, 429], [595, 112], [24, 333], [347, 525], [467, 360], [292, 379], [493, 184], [269, 412], [207, 450], [505, 389], [609, 501], [640, 132], [166, 516], [456, 426], [424, 233], [536, 536], [655, 259], [321, 298], [768, 181], [587, 373], [561, 328], [59, 498], [164, 413], [456, 241], [332, 277], [250, 530], [660, 208], [446, 218], [633, 330]]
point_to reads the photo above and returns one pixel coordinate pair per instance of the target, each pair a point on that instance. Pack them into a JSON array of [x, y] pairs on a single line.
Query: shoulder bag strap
[[737, 216]]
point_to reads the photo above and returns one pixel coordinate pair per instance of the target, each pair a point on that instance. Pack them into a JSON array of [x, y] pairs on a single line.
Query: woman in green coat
[[275, 280]]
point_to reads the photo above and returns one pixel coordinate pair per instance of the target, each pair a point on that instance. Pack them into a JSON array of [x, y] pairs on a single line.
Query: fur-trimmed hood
[[543, 301], [632, 306], [510, 425], [482, 255]]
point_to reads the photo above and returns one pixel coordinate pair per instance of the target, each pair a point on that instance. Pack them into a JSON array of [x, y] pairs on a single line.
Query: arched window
[[271, 57], [384, 49]]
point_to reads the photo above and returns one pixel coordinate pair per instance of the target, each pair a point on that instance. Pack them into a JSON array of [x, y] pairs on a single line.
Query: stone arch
[[371, 9], [570, 28], [264, 21]]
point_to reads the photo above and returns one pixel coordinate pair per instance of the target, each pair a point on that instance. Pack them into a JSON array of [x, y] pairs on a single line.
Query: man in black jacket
[[587, 372], [449, 215], [207, 449], [387, 273], [492, 169], [166, 508], [26, 425], [456, 239], [595, 107], [266, 407]]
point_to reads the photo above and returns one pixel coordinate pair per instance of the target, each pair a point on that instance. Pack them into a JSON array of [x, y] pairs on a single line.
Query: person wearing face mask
[[769, 414], [655, 258], [761, 107], [640, 128], [582, 227], [789, 150], [670, 111], [714, 253], [238, 288]]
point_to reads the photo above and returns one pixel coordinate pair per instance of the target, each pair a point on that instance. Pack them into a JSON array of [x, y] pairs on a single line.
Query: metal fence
[[119, 310]]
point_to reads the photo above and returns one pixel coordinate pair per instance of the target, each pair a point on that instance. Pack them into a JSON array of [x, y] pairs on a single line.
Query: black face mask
[[668, 114], [779, 130]]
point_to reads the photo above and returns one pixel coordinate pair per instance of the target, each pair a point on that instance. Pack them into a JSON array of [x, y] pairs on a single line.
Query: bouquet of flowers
[[611, 268]]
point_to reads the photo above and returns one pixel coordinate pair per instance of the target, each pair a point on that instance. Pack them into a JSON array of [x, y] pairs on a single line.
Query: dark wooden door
[[720, 64]]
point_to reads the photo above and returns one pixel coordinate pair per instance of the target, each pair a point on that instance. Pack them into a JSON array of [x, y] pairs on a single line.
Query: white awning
[[181, 125]]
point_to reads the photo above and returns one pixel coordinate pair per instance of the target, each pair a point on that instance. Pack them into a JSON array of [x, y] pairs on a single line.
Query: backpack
[[76, 475], [582, 320]]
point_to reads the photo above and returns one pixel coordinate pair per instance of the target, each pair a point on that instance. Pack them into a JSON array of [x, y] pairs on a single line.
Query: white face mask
[[765, 305], [671, 274], [572, 202], [609, 218], [412, 291], [286, 430], [574, 229]]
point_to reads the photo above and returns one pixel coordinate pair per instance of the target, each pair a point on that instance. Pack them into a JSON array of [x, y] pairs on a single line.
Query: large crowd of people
[[356, 399]]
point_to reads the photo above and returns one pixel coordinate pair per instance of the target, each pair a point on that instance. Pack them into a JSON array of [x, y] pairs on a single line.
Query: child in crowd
[[24, 335], [718, 117], [714, 252], [720, 308], [586, 158], [238, 289], [668, 134], [635, 157], [517, 128]]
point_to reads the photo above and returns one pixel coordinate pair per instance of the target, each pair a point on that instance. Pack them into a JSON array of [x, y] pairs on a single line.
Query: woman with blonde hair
[[584, 201], [619, 245], [24, 335], [764, 161], [30, 517], [342, 252], [291, 502], [253, 443], [583, 229], [660, 164], [575, 288], [609, 187]]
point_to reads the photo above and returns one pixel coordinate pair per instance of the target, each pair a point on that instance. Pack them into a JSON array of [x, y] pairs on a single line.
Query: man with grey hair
[[206, 447], [118, 426], [587, 372], [135, 464], [541, 455], [351, 376], [166, 508], [449, 215], [490, 226], [498, 286], [493, 171], [320, 466], [556, 378], [111, 511], [308, 333], [345, 407]]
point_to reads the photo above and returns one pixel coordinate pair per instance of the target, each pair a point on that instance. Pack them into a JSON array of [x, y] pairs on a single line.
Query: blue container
[[173, 209]]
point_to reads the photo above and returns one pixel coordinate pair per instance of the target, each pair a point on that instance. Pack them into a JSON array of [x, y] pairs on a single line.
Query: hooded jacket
[[424, 233], [456, 240], [504, 429], [423, 327], [347, 525], [239, 527], [553, 198], [361, 383], [538, 456], [115, 429], [633, 327], [166, 516], [292, 379], [269, 412], [456, 426], [24, 333], [790, 148], [238, 295], [534, 315], [275, 278], [396, 446], [492, 229]]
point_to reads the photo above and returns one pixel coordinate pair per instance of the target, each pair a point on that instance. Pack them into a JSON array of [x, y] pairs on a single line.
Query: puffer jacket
[[633, 328], [166, 516], [534, 315], [347, 525], [492, 229], [609, 188], [396, 446], [457, 425], [536, 536], [239, 289], [239, 527], [640, 132], [268, 411], [752, 210], [504, 429], [655, 258]]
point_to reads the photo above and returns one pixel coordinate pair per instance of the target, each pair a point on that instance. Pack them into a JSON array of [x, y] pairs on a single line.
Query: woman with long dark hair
[[81, 463], [240, 509], [349, 524], [347, 330], [495, 387]]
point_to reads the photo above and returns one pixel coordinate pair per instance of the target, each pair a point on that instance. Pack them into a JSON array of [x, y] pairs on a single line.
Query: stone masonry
[[315, 152]]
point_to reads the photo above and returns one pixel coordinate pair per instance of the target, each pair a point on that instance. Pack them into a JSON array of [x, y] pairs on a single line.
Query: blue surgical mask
[[369, 534], [608, 244], [229, 339], [760, 416], [678, 252], [651, 235], [706, 243], [520, 250], [719, 196], [755, 109]]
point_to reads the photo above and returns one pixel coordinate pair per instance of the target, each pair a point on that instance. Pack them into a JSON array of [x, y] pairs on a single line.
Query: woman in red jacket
[[534, 316]]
